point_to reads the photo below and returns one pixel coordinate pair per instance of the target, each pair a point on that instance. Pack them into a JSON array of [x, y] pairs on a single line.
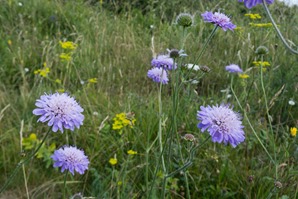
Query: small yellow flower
[[132, 152], [253, 16], [243, 76], [68, 45], [58, 81], [260, 63], [239, 28], [261, 25], [293, 131], [42, 72], [92, 80], [33, 136], [30, 141], [61, 90], [119, 183], [123, 119], [113, 161], [9, 42], [65, 56]]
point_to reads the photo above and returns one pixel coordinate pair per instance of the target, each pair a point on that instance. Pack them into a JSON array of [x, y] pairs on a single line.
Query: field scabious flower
[[164, 61], [251, 3], [233, 68], [219, 19], [158, 75], [71, 159], [224, 125], [60, 110]]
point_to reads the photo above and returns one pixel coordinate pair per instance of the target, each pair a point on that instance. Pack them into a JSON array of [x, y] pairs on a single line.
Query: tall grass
[[115, 46]]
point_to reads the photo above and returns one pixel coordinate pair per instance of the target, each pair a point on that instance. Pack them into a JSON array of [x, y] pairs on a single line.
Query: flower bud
[[205, 69], [184, 20], [262, 50], [174, 53], [189, 137]]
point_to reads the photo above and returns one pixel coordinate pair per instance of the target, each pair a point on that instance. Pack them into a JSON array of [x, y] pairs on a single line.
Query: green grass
[[114, 46]]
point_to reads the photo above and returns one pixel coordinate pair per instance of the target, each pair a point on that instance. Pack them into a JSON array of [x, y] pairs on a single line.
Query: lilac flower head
[[251, 3], [163, 61], [71, 159], [224, 125], [218, 19], [233, 68], [60, 110], [158, 75]]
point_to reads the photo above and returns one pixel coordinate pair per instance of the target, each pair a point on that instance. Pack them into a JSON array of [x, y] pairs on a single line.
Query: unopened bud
[[174, 53], [189, 137], [184, 20], [205, 69], [262, 50]]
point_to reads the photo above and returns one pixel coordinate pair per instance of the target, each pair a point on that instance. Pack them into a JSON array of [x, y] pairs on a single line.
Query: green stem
[[19, 165], [202, 51], [268, 115], [190, 159], [160, 127], [277, 30], [64, 184], [249, 123]]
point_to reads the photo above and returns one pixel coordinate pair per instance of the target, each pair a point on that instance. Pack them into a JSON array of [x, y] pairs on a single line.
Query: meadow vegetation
[[113, 44]]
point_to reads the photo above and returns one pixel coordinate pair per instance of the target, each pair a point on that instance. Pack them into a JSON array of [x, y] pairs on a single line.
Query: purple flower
[[224, 125], [233, 68], [164, 61], [158, 75], [218, 19], [71, 159], [251, 3], [60, 110]]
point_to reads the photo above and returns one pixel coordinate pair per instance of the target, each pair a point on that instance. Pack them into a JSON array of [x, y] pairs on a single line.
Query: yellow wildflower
[[42, 72], [243, 76], [261, 25], [58, 81], [68, 45], [132, 152], [30, 142], [9, 42], [253, 16], [123, 119], [293, 131], [92, 80], [119, 183], [260, 63], [61, 90], [113, 161], [65, 56]]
